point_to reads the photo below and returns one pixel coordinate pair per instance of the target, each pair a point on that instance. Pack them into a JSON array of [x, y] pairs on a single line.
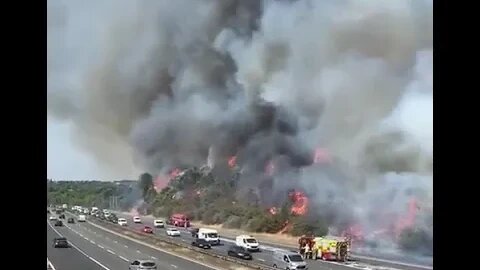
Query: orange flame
[[408, 220], [321, 156], [174, 173], [160, 183], [273, 210], [300, 203], [232, 162]]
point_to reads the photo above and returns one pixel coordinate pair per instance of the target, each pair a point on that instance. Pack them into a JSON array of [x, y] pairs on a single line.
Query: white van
[[209, 235], [122, 222], [82, 218], [248, 242], [158, 223], [288, 260]]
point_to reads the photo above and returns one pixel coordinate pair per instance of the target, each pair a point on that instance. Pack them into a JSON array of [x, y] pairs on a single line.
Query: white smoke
[[163, 81]]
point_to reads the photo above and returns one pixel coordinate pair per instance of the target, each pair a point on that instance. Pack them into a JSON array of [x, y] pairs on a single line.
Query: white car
[[136, 219], [122, 222], [158, 223], [53, 217], [173, 232]]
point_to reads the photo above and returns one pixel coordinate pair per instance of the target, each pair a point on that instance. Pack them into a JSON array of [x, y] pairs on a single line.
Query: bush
[[255, 224], [416, 240], [233, 222], [301, 226], [208, 216]]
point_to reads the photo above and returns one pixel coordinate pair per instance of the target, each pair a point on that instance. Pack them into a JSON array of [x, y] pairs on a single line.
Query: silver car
[[288, 260], [142, 264]]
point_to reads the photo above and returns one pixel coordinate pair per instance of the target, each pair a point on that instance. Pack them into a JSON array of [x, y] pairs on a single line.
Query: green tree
[[145, 183]]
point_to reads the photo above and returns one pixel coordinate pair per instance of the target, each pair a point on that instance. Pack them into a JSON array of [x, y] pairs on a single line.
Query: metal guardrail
[[153, 239]]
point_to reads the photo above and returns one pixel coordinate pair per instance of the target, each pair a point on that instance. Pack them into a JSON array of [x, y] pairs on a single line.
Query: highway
[[264, 257], [95, 249]]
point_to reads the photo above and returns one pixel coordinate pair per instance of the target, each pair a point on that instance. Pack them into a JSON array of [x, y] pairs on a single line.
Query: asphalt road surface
[[93, 248], [263, 257]]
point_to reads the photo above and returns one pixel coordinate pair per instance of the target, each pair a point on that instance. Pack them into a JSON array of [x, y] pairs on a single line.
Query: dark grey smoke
[[152, 85]]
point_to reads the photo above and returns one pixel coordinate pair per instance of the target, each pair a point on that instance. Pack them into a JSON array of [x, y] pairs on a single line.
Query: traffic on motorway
[[74, 246], [243, 247]]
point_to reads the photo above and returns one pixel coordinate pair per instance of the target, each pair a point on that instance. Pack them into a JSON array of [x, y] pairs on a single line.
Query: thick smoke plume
[[179, 83]]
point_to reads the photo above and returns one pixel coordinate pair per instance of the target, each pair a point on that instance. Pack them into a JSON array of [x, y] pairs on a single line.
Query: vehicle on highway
[[159, 223], [180, 220], [70, 220], [58, 223], [210, 235], [239, 252], [82, 218], [52, 218], [137, 219], [147, 229], [172, 232], [113, 218], [60, 242], [201, 243], [122, 222], [194, 231], [62, 216], [288, 260], [142, 265], [248, 242]]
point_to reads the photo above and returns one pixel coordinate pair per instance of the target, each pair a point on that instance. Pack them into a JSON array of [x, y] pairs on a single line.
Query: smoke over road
[[153, 85]]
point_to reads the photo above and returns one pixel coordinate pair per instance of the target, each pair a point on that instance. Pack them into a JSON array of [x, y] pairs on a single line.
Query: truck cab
[[248, 242], [209, 235]]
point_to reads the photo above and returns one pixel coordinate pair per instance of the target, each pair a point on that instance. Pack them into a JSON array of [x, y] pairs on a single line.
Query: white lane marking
[[173, 265], [260, 259], [155, 247], [109, 251], [50, 265], [79, 250], [123, 258], [101, 247], [153, 257], [138, 251], [115, 241], [126, 246], [93, 242]]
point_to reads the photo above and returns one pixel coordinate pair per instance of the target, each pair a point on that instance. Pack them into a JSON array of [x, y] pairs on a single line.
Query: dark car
[[60, 242], [71, 220], [201, 243], [239, 252], [194, 231], [62, 216], [58, 223], [113, 219]]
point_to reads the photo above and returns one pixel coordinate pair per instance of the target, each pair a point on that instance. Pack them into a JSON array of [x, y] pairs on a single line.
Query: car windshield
[[173, 230], [121, 219], [212, 235], [251, 240], [148, 264], [295, 258]]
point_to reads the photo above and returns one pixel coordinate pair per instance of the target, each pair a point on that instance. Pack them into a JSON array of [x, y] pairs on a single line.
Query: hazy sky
[[64, 160]]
